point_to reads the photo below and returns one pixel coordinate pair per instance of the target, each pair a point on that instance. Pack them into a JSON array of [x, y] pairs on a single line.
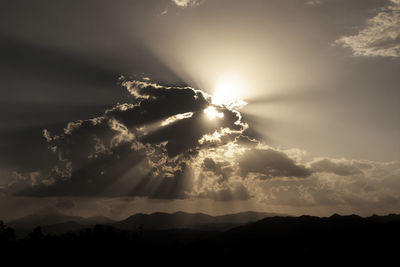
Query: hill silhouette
[[41, 219], [279, 239], [56, 223], [160, 220]]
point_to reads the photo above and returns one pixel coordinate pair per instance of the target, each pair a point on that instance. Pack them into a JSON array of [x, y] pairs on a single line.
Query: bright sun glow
[[228, 90], [212, 113]]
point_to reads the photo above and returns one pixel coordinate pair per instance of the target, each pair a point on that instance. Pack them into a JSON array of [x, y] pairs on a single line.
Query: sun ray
[[229, 89]]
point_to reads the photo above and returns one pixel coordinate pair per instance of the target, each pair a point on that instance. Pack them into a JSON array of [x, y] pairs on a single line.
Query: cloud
[[223, 168], [162, 145], [373, 188], [270, 163], [142, 148], [380, 35], [186, 3], [234, 192], [339, 167]]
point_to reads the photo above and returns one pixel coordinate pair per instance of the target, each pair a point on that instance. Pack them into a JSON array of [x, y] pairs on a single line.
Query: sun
[[213, 113], [229, 89]]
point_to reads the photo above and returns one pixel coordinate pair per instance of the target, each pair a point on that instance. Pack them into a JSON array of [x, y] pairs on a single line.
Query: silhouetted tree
[[140, 232], [36, 234], [6, 233], [98, 231]]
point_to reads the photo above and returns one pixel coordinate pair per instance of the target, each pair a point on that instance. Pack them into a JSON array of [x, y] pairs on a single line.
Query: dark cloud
[[89, 179], [339, 168], [142, 148], [156, 104], [223, 169], [270, 163], [160, 103]]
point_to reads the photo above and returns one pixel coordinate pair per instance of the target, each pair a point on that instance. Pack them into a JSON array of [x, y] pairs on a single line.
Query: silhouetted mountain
[[97, 220], [245, 217], [62, 228], [45, 219], [159, 220], [293, 226], [53, 223], [383, 219], [305, 239]]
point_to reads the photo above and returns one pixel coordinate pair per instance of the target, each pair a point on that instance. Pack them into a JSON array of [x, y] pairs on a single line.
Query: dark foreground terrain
[[311, 240]]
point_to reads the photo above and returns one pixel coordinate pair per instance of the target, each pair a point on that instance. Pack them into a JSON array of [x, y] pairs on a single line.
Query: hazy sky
[[115, 107]]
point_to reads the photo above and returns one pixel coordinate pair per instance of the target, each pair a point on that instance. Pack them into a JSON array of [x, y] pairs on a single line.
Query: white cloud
[[186, 3], [380, 35]]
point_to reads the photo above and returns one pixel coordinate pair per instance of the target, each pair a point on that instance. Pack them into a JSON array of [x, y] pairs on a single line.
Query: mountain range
[[56, 223], [44, 219], [241, 239], [160, 220]]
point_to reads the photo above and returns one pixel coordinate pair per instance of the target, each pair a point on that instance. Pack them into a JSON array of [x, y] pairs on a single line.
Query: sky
[[217, 106]]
